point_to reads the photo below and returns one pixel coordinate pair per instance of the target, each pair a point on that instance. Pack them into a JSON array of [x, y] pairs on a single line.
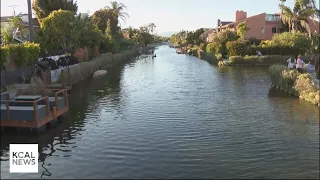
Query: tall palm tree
[[152, 27], [118, 10], [298, 16]]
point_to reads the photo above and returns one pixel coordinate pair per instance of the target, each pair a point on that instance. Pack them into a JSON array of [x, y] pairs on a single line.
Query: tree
[[190, 37], [90, 35], [43, 8], [152, 27], [118, 11], [7, 32], [299, 15], [67, 35], [197, 35], [101, 17], [242, 29], [218, 44]]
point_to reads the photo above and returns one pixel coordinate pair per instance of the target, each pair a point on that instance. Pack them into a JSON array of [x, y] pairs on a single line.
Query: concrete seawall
[[84, 70]]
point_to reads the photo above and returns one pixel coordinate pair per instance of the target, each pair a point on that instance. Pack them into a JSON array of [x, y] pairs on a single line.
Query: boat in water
[[179, 51]]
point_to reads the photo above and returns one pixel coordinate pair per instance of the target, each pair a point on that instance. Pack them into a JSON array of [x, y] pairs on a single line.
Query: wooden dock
[[30, 111]]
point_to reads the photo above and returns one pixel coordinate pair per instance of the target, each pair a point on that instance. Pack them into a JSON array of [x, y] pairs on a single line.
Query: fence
[[14, 76]]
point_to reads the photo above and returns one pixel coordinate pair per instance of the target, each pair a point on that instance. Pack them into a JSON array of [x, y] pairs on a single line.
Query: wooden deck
[[53, 109]]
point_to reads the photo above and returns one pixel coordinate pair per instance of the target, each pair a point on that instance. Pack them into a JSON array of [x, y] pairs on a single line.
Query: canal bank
[[178, 116]]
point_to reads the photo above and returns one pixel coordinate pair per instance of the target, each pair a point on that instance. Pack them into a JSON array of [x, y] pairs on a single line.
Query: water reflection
[[177, 116]]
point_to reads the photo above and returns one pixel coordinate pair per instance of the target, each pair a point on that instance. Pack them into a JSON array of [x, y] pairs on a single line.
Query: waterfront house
[[262, 26], [21, 35]]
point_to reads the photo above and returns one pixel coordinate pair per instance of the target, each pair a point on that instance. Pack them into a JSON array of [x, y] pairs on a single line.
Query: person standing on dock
[[300, 64]]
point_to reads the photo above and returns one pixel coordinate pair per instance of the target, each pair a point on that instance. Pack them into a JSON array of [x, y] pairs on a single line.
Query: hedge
[[22, 54], [265, 60], [242, 48], [276, 50], [293, 82], [237, 48]]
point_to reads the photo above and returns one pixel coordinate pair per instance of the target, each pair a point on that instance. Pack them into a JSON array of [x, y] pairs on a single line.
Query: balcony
[[272, 17]]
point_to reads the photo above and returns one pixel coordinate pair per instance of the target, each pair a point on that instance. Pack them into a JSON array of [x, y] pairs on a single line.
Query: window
[[274, 30], [272, 17]]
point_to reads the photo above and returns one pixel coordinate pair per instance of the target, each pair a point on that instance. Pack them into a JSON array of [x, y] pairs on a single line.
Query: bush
[[294, 82], [307, 89], [203, 46], [273, 49], [218, 44], [257, 60], [237, 48], [284, 44], [254, 41], [4, 55], [275, 73], [298, 41], [22, 54]]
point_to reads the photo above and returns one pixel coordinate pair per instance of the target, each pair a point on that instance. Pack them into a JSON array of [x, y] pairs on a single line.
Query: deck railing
[[57, 93], [34, 104]]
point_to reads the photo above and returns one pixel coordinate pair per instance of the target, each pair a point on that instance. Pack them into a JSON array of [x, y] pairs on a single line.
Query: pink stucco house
[[262, 26]]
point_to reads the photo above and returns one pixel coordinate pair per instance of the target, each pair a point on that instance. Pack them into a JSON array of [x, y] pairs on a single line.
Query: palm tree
[[152, 27], [118, 10], [298, 16]]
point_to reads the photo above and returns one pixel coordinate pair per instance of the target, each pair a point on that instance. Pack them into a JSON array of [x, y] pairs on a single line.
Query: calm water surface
[[176, 116]]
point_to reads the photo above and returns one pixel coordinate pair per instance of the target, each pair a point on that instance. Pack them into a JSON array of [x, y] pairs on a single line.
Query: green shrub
[[275, 74], [288, 78], [203, 46], [307, 89], [274, 49], [257, 60], [218, 44], [254, 41], [237, 48], [4, 55], [298, 41], [22, 54], [284, 44], [294, 82], [218, 57], [215, 47], [236, 59]]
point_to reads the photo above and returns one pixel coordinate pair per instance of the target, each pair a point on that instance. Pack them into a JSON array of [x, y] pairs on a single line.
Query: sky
[[169, 15]]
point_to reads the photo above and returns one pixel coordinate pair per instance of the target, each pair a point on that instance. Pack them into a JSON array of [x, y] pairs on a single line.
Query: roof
[[206, 33], [222, 23], [236, 22], [34, 20]]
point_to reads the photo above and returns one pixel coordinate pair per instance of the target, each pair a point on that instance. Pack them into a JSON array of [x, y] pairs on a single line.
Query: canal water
[[176, 116]]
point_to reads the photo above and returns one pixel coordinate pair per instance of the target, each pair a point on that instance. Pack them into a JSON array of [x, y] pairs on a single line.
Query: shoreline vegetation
[[235, 48], [60, 42], [295, 83]]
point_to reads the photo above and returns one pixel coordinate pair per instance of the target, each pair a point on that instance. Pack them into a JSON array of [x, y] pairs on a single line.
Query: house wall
[[25, 18], [314, 26], [268, 29], [210, 37], [240, 15], [255, 25]]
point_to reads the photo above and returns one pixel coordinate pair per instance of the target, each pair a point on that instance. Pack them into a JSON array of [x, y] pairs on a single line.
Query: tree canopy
[[43, 8]]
